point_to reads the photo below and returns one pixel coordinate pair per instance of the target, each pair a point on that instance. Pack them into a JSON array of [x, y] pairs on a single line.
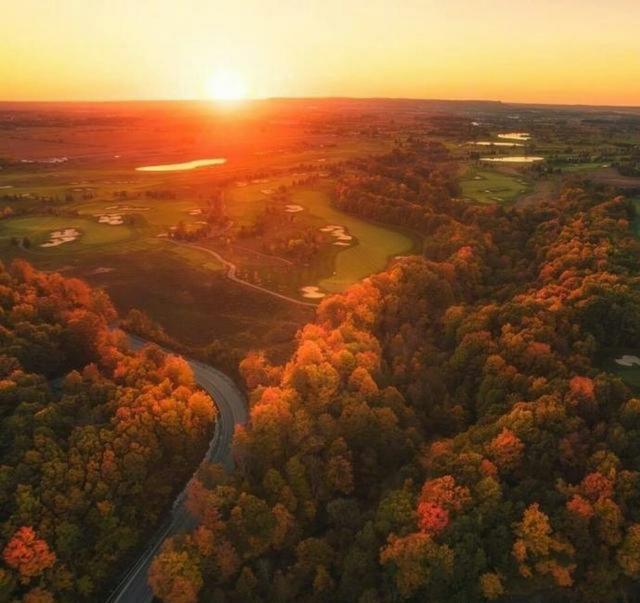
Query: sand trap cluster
[[293, 209], [338, 232], [628, 360], [111, 219], [312, 292], [60, 237], [195, 212]]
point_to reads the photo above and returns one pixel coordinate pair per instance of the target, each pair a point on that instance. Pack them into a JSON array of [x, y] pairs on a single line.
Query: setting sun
[[227, 86]]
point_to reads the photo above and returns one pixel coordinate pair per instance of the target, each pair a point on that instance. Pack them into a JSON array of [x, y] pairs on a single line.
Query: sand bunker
[[195, 212], [267, 191], [339, 233], [111, 219], [292, 209], [242, 183], [260, 180], [6, 186], [628, 360], [312, 292], [60, 237]]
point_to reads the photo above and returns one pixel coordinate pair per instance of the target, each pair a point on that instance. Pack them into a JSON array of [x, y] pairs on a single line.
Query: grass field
[[491, 186], [93, 235]]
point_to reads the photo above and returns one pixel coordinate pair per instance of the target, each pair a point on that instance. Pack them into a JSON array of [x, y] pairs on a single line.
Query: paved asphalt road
[[232, 411]]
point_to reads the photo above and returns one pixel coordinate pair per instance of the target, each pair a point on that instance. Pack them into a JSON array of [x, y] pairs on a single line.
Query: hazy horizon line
[[317, 98]]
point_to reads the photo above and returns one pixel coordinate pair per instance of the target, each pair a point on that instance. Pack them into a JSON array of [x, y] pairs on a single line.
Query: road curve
[[232, 411]]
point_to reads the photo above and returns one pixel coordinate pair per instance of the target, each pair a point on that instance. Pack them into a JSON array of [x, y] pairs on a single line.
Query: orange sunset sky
[[555, 51]]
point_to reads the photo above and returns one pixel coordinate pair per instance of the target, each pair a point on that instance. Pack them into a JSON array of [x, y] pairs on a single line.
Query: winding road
[[232, 411]]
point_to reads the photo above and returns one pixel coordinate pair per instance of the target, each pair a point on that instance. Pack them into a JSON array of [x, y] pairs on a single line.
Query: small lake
[[182, 167], [512, 159], [489, 143], [515, 136]]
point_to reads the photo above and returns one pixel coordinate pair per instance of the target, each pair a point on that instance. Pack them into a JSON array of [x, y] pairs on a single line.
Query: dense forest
[[94, 439], [444, 430], [414, 187]]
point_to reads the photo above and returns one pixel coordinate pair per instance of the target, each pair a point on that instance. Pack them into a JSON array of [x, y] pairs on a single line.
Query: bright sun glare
[[227, 86]]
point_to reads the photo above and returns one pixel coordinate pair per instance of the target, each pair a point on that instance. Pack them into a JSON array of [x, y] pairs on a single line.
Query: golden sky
[[564, 51]]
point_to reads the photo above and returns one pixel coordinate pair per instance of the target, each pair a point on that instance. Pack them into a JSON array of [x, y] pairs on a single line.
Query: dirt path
[[232, 275]]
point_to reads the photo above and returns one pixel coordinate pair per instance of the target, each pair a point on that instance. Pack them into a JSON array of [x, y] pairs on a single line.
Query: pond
[[489, 143], [514, 159], [182, 167], [515, 136]]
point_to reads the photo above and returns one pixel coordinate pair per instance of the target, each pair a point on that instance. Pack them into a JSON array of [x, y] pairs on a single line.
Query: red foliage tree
[[28, 554]]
